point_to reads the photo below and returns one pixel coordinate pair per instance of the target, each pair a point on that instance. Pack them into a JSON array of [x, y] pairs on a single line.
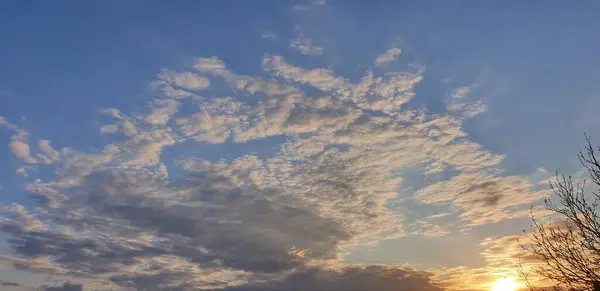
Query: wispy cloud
[[19, 145], [311, 5], [387, 57], [268, 35], [305, 46], [459, 103], [484, 197]]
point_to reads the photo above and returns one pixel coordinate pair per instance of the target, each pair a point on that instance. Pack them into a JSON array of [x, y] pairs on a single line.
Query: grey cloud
[[354, 278], [81, 256], [11, 284], [65, 287], [491, 193], [204, 219], [483, 197], [245, 228]]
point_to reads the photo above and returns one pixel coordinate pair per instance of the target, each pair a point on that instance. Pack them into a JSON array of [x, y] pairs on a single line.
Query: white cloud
[[386, 93], [180, 85], [305, 46], [319, 78], [49, 154], [161, 111], [109, 128], [19, 145], [212, 65], [21, 150], [459, 103], [313, 4], [268, 35], [484, 197], [23, 172], [389, 56], [185, 80]]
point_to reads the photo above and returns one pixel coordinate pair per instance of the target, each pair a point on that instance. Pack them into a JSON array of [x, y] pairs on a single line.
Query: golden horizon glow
[[505, 284]]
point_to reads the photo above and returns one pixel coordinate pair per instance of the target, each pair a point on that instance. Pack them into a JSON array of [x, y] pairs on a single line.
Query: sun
[[505, 284]]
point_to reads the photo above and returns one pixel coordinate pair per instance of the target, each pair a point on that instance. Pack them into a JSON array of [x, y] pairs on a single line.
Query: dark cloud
[[204, 219], [491, 192], [357, 278], [11, 284], [353, 278], [65, 287]]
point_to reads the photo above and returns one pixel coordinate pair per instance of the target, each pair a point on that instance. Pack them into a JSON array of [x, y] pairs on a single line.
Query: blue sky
[[397, 137]]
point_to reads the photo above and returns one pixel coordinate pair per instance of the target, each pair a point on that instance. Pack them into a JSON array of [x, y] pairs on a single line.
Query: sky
[[285, 145]]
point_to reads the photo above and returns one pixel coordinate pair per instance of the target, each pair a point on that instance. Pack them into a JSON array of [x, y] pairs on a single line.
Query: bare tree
[[569, 247]]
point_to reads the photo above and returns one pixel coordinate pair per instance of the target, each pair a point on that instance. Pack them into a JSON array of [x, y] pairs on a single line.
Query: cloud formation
[[126, 215]]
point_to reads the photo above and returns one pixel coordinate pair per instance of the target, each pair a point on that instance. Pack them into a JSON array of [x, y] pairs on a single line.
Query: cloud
[[11, 286], [180, 85], [426, 227], [305, 46], [23, 171], [18, 131], [65, 287], [185, 80], [19, 145], [458, 103], [383, 93], [21, 150], [356, 278], [125, 214], [312, 5], [484, 197], [162, 111], [21, 218], [49, 153], [502, 256], [212, 65], [207, 223], [389, 56], [268, 35]]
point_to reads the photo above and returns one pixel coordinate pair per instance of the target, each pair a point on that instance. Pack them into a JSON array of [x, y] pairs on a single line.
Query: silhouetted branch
[[570, 249]]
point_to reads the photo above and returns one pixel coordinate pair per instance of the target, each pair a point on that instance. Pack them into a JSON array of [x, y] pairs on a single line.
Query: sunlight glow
[[505, 284]]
